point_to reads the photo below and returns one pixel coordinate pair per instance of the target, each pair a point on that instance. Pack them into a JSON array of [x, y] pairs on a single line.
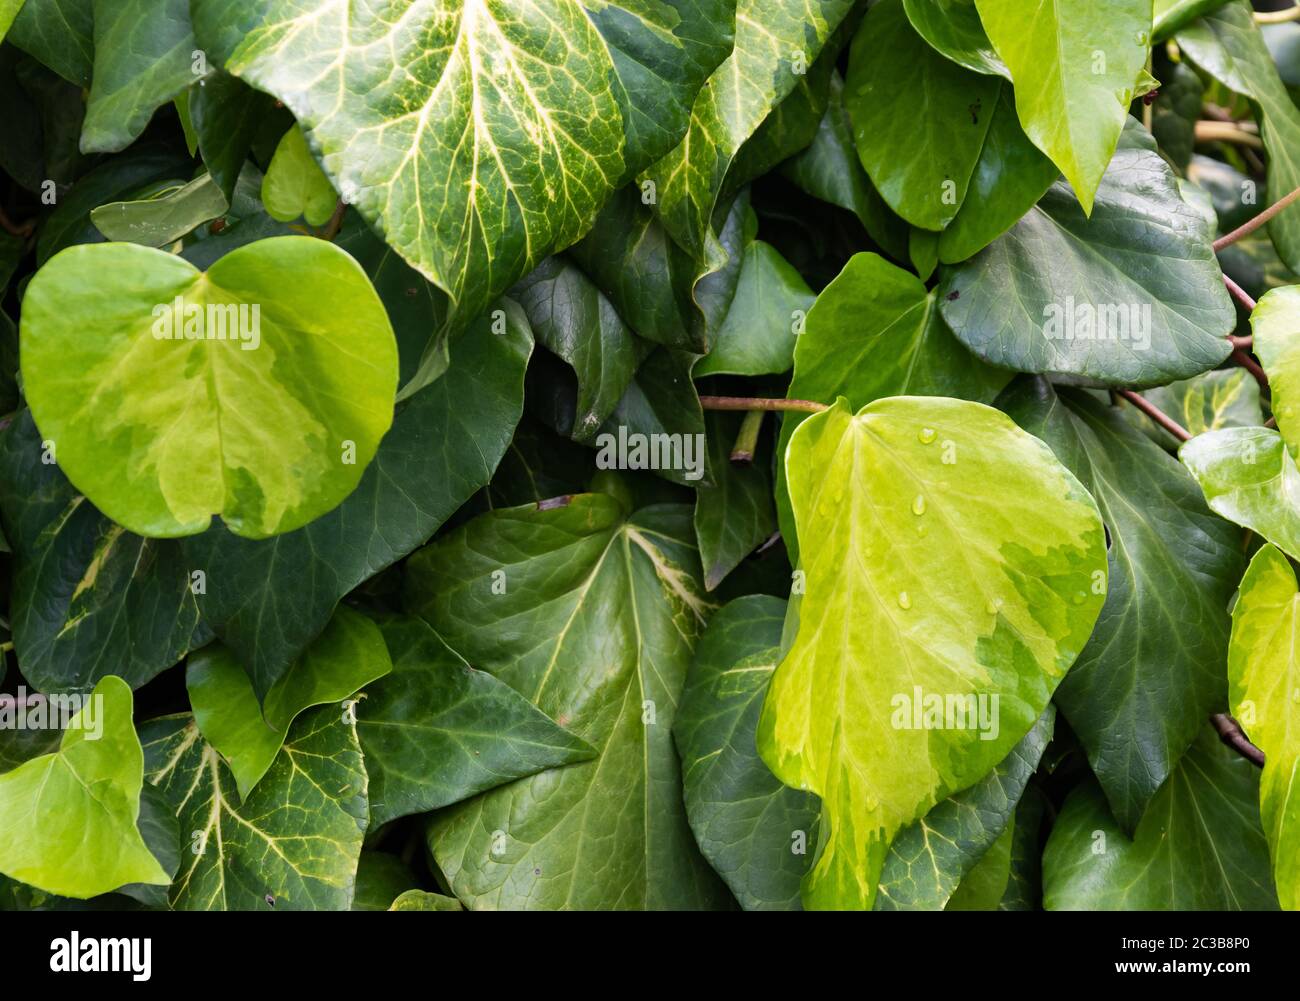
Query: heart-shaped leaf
[[283, 388], [423, 730], [1131, 297], [68, 819], [1249, 477], [1153, 669], [1264, 682], [292, 844], [884, 502], [1199, 846]]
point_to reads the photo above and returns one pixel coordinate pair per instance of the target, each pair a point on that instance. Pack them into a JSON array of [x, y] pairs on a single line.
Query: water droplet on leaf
[[904, 602], [918, 505], [927, 435]]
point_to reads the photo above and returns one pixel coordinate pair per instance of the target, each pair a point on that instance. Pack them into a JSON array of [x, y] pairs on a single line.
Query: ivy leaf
[[735, 515], [1228, 45], [1264, 679], [444, 445], [89, 598], [1174, 115], [294, 185], [423, 733], [292, 844], [143, 52], [953, 28], [758, 74], [918, 118], [1010, 177], [757, 336], [69, 818], [164, 218], [881, 516], [349, 654], [930, 858], [237, 458], [226, 113], [381, 878], [572, 318], [829, 169], [1224, 398], [875, 332], [1276, 327], [1249, 477], [522, 119], [1142, 271], [595, 626], [59, 33], [755, 832], [120, 178], [1152, 671], [983, 887], [1199, 846], [1074, 67]]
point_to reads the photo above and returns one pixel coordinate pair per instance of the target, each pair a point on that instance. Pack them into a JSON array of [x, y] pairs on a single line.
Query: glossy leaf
[[1199, 846], [1141, 271], [930, 858], [1009, 178], [436, 731], [754, 78], [879, 512], [734, 516], [953, 27], [60, 33], [68, 819], [295, 185], [1276, 326], [485, 135], [758, 834], [1249, 477], [875, 332], [444, 445], [1152, 672], [919, 120], [158, 221], [143, 59], [350, 653], [595, 626], [1263, 678], [293, 844], [237, 404], [1075, 68], [89, 598], [1224, 398]]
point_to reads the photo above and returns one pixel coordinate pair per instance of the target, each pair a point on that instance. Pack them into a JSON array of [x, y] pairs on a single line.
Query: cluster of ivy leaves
[[358, 617]]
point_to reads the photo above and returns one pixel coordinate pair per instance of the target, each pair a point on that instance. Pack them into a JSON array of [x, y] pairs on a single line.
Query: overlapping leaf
[[882, 500]]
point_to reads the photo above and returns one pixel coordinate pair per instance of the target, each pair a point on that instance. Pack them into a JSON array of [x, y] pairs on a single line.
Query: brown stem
[[1240, 294], [1156, 414], [742, 453], [335, 223], [1253, 224], [1242, 343], [759, 403], [1240, 357], [14, 228], [1230, 733]]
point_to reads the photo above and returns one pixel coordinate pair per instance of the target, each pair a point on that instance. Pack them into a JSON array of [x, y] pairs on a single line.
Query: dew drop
[[993, 606], [904, 602], [926, 436], [920, 528], [1295, 695], [1079, 598], [918, 505]]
